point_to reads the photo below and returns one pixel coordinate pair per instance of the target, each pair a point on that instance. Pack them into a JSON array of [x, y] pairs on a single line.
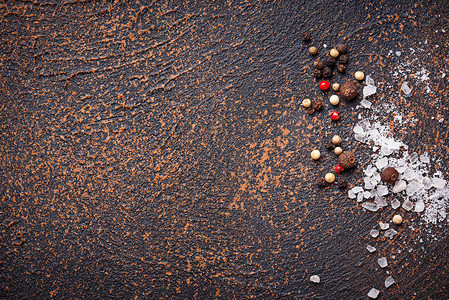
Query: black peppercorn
[[343, 59], [305, 36], [310, 110], [342, 184], [341, 68], [389, 175], [318, 105], [347, 159], [317, 73], [330, 146], [327, 72], [321, 182], [329, 61], [342, 48], [318, 64]]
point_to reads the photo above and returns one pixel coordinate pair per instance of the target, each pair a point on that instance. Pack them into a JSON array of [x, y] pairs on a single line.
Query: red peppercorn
[[335, 115], [324, 85], [338, 169]]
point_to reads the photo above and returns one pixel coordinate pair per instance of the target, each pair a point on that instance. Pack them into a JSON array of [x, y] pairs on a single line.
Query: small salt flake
[[424, 158], [382, 163], [395, 203], [384, 226], [382, 262], [438, 183], [427, 183], [360, 197], [389, 281], [374, 233], [407, 205], [357, 189], [405, 88], [315, 278], [373, 293], [369, 80], [370, 206], [365, 103], [390, 233], [351, 194], [398, 53], [370, 248], [399, 186], [367, 195], [382, 190], [413, 187], [419, 206], [380, 201]]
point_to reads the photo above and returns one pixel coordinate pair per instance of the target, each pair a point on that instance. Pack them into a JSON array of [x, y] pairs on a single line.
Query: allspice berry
[[348, 90], [342, 48], [389, 175], [347, 159], [321, 182], [318, 105]]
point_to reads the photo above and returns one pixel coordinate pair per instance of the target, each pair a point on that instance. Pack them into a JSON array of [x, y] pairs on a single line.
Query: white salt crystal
[[413, 187], [315, 278], [385, 150], [357, 189], [384, 226], [389, 281], [427, 183], [398, 53], [369, 81], [439, 183], [351, 194], [358, 130], [375, 148], [407, 205], [414, 157], [390, 233], [424, 158], [365, 103], [399, 186], [401, 169], [405, 88], [367, 195], [373, 293], [369, 171], [395, 203], [382, 190], [374, 233], [419, 206], [370, 206], [359, 197], [380, 201], [382, 262], [409, 174], [376, 177], [382, 163], [370, 183], [370, 248]]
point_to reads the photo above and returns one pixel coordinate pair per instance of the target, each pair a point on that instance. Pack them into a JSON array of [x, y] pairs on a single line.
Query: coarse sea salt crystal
[[370, 206], [370, 183], [382, 190], [382, 163], [382, 262], [369, 171], [413, 187], [368, 91], [395, 203], [369, 80], [367, 195], [370, 248], [439, 183], [380, 201], [419, 206], [407, 205], [405, 88], [374, 233], [315, 278], [365, 103], [373, 293], [424, 158], [389, 281], [390, 233], [409, 174], [359, 197], [351, 194], [399, 186], [357, 189], [427, 183], [384, 226], [358, 130]]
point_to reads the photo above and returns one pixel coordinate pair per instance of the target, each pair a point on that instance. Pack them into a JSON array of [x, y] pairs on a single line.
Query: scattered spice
[[342, 48], [318, 64], [342, 184], [321, 182], [318, 105], [397, 219], [330, 146], [334, 99], [317, 73], [347, 159], [338, 169], [329, 61], [389, 175], [336, 140], [336, 86], [348, 90]]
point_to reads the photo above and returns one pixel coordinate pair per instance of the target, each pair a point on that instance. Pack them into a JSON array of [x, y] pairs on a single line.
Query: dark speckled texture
[[159, 150]]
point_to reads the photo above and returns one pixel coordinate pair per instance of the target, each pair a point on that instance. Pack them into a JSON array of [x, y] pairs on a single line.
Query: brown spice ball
[[330, 146], [318, 105], [310, 110], [347, 159], [318, 64], [342, 48], [342, 184], [329, 61], [348, 90], [341, 68], [389, 175], [327, 72], [305, 36], [317, 73], [321, 182], [343, 59]]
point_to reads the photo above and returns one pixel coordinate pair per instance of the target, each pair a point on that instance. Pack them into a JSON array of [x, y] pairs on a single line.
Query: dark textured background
[[159, 150]]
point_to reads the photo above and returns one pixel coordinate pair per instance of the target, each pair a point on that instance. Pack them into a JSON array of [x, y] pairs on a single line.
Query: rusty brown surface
[[159, 150]]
